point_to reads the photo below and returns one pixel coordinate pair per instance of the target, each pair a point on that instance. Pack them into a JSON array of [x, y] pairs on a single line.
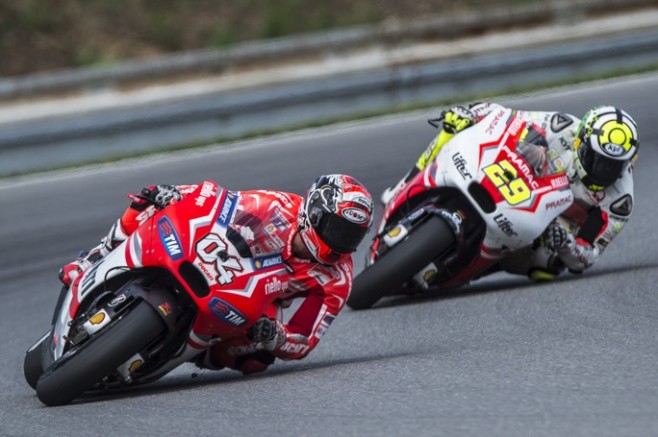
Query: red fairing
[[242, 290], [232, 254]]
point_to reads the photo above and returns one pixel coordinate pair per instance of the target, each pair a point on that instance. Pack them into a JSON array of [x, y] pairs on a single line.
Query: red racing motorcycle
[[487, 192], [182, 282]]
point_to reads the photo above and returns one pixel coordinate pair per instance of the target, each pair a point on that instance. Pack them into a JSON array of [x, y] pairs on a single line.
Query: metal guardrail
[[31, 145], [450, 73]]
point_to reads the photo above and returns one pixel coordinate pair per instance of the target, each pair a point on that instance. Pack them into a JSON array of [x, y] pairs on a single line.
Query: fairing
[[519, 203], [207, 245]]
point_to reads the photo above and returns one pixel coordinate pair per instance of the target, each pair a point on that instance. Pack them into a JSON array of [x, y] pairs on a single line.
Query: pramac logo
[[169, 238]]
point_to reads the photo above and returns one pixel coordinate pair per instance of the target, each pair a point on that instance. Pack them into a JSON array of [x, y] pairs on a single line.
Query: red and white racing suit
[[595, 217], [321, 289]]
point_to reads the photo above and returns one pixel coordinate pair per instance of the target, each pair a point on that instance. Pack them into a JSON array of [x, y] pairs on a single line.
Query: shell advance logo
[[169, 238], [264, 262], [227, 209]]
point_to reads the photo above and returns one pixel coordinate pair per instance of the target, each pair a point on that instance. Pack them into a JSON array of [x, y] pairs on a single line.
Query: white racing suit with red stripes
[[320, 289], [595, 217]]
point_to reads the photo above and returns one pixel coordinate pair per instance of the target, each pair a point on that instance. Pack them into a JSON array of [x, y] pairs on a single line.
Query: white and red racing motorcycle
[[481, 197]]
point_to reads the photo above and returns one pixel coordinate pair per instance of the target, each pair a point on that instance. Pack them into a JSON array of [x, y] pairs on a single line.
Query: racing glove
[[454, 120], [577, 254], [555, 237], [270, 333], [159, 196], [457, 118]]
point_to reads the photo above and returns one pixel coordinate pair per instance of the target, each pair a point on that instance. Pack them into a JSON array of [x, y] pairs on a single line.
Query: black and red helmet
[[335, 217]]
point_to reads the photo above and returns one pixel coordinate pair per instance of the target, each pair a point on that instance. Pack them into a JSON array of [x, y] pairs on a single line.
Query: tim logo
[[226, 312], [169, 238]]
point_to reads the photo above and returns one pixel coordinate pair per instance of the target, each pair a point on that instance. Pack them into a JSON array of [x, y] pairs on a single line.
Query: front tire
[[401, 262], [33, 362], [72, 375]]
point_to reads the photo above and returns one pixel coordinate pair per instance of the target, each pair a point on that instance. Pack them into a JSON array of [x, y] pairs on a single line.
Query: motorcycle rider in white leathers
[[597, 153]]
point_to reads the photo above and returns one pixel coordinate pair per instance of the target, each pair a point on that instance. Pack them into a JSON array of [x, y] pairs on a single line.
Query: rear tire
[[401, 262], [72, 375]]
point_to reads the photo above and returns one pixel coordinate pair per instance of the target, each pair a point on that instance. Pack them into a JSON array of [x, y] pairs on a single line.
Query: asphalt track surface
[[502, 357]]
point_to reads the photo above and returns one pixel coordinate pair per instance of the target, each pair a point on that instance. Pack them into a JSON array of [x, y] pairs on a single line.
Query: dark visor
[[601, 170], [339, 234]]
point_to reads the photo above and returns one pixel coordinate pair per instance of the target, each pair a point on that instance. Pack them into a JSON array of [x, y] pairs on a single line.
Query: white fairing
[[475, 155], [113, 264]]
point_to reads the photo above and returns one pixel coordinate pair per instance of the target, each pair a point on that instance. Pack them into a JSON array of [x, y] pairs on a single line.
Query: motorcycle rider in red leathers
[[316, 235], [597, 153]]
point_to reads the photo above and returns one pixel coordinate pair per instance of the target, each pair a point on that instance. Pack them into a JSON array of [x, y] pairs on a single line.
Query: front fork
[[392, 237], [107, 307]]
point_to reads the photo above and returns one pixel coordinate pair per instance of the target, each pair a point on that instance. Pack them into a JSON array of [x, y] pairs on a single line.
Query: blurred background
[[99, 81], [45, 35], [96, 80]]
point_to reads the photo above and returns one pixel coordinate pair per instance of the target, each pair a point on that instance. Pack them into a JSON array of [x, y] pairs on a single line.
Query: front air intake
[[194, 279], [482, 197]]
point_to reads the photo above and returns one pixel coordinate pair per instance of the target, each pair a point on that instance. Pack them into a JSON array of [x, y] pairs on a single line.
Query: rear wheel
[[82, 367], [401, 262]]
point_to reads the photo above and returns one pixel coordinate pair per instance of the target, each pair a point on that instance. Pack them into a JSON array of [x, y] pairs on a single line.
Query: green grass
[[45, 35]]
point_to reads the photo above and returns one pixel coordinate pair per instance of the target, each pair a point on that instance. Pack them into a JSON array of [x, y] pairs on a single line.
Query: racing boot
[[390, 192], [72, 270], [87, 258]]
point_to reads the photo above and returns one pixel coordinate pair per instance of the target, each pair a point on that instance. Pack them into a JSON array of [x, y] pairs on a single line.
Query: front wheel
[[82, 367], [33, 362], [401, 262]]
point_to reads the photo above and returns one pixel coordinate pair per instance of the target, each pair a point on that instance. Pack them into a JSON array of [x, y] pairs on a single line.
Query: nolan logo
[[355, 215], [613, 149]]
